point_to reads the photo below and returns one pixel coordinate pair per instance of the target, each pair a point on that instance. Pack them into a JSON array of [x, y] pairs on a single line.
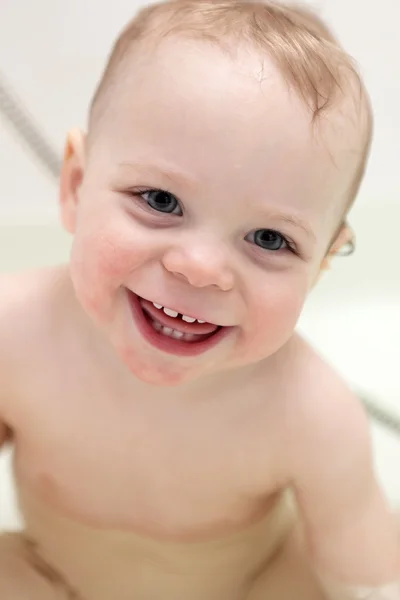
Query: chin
[[153, 371]]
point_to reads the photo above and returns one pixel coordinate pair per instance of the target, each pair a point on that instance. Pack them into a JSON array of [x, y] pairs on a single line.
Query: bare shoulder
[[22, 294], [25, 307], [326, 413]]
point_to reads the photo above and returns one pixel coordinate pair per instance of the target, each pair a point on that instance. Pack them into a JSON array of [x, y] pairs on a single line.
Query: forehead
[[230, 118]]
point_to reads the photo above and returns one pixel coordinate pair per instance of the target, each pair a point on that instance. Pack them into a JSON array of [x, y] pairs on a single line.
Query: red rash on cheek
[[110, 256], [119, 248]]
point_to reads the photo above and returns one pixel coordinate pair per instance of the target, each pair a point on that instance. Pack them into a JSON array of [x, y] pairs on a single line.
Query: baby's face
[[207, 191]]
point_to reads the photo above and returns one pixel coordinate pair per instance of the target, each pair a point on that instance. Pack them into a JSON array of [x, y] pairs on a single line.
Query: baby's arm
[[3, 427], [8, 328], [350, 533], [3, 433]]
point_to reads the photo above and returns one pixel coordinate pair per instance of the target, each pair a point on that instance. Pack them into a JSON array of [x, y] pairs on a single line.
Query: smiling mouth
[[173, 334], [175, 325]]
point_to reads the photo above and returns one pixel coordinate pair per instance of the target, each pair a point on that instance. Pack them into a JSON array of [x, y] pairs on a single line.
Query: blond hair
[[304, 49]]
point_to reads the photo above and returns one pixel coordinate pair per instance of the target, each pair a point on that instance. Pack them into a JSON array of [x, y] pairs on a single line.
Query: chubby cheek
[[272, 317], [103, 258]]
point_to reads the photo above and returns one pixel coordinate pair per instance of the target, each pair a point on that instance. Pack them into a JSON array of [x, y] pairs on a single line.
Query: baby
[[174, 438]]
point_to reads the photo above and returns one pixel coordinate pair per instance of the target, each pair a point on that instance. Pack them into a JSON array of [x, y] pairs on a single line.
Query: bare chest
[[159, 468]]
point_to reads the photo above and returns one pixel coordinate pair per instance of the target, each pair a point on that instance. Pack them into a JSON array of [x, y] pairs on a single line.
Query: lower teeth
[[177, 335]]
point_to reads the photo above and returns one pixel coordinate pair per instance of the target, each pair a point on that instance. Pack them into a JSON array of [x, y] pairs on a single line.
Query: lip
[[167, 344]]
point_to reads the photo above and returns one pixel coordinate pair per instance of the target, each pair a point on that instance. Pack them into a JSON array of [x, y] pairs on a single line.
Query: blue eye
[[269, 239], [161, 201]]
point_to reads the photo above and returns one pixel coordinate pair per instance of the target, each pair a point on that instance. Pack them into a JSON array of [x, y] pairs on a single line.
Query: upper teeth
[[173, 313]]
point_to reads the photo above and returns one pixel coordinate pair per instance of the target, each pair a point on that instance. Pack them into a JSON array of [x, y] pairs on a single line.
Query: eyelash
[[138, 193]]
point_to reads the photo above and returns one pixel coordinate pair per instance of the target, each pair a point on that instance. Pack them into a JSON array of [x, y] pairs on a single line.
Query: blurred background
[[51, 56]]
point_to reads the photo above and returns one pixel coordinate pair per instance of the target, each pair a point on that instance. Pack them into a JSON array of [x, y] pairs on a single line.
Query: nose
[[201, 266]]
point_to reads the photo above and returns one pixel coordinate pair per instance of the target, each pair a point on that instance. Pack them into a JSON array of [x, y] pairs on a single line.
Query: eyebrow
[[169, 172], [295, 222]]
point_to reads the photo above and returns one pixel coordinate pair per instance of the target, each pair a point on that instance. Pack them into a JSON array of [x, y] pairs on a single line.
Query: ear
[[71, 178], [343, 244]]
